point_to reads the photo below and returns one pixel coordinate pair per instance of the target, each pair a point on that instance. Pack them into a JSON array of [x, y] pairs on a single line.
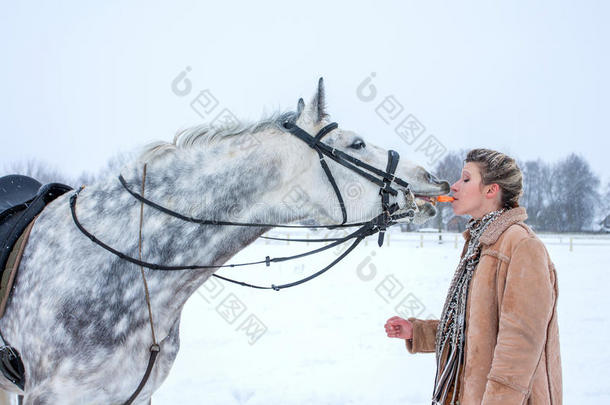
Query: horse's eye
[[358, 144]]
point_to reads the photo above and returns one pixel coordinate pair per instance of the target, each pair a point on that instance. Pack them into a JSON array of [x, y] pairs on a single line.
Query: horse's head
[[310, 192]]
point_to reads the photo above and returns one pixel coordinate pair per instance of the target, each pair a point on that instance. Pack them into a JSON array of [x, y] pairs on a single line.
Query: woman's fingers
[[393, 331], [395, 327]]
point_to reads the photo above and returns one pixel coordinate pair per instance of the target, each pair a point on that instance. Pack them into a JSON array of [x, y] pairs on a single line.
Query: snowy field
[[324, 342]]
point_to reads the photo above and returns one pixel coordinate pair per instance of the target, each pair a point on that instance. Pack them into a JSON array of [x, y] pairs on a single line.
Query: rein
[[378, 224]]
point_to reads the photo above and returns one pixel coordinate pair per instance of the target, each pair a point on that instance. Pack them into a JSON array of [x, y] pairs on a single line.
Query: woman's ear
[[493, 191]]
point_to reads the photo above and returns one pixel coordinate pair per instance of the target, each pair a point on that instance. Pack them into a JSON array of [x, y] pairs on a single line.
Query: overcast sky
[[80, 83]]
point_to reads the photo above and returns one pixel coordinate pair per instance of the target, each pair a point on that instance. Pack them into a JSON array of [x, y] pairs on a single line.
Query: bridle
[[385, 181], [379, 224]]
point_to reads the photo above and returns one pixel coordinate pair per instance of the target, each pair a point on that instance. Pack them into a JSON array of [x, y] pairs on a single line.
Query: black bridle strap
[[321, 133], [333, 183], [369, 228], [228, 223], [393, 159], [156, 266], [343, 158], [385, 175], [314, 142], [300, 239], [304, 280], [362, 173], [331, 179]]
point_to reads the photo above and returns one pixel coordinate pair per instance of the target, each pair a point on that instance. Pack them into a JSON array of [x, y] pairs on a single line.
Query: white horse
[[78, 314]]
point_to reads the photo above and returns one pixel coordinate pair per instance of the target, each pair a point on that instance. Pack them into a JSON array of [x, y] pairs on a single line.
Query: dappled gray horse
[[78, 313]]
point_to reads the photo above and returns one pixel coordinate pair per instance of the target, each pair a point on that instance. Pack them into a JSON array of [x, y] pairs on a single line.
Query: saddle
[[22, 199]]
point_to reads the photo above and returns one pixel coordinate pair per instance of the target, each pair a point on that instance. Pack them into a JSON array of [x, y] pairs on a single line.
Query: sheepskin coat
[[512, 338]]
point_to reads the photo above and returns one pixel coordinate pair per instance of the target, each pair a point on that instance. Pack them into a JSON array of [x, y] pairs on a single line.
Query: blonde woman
[[497, 341]]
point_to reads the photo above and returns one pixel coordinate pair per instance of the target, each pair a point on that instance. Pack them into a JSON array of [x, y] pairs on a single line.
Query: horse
[[81, 317]]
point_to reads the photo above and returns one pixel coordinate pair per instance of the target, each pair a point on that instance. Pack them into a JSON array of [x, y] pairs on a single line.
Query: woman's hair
[[501, 169]]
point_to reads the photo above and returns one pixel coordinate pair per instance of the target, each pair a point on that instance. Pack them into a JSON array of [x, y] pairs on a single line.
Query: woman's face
[[471, 197]]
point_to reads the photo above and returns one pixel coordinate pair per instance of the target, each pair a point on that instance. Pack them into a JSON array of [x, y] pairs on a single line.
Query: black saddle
[[21, 199]]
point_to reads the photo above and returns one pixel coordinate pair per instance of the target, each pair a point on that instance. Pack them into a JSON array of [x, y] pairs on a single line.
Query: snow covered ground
[[324, 342]]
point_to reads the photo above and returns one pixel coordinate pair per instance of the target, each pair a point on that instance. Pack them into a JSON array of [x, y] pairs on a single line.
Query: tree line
[[561, 196]]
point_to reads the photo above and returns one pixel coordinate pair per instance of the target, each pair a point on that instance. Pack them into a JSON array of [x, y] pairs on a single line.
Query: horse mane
[[204, 134]]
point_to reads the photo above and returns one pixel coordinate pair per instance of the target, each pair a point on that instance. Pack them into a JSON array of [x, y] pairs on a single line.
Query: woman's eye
[[358, 144], [466, 180]]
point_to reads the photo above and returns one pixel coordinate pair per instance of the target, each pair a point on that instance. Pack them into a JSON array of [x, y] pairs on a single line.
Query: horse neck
[[242, 189]]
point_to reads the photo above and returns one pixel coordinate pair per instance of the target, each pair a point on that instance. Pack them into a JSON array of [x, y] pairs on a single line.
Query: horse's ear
[[314, 113], [300, 108], [318, 103]]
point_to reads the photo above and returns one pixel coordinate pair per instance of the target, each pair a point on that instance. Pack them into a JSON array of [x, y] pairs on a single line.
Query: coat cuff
[[424, 336]]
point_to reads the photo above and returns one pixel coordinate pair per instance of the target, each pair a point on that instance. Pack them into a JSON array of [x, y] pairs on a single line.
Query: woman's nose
[[454, 187]]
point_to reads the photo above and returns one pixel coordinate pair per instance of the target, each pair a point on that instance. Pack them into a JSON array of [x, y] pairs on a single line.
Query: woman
[[497, 341]]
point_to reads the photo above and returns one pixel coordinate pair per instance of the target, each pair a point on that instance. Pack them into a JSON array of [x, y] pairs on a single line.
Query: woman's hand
[[397, 327]]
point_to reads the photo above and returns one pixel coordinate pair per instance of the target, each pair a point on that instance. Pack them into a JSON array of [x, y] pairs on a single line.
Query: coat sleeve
[[526, 309], [424, 336]]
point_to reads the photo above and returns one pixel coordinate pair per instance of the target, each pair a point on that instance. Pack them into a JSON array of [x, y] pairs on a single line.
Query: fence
[[426, 239]]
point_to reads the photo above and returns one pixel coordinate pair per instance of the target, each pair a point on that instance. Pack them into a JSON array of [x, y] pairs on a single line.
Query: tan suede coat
[[512, 338]]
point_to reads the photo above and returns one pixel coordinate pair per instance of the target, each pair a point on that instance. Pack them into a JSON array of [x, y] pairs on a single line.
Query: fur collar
[[497, 227]]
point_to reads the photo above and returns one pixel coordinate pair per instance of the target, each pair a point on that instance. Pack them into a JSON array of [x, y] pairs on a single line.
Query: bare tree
[[46, 173], [537, 189], [604, 204], [574, 197], [38, 169]]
